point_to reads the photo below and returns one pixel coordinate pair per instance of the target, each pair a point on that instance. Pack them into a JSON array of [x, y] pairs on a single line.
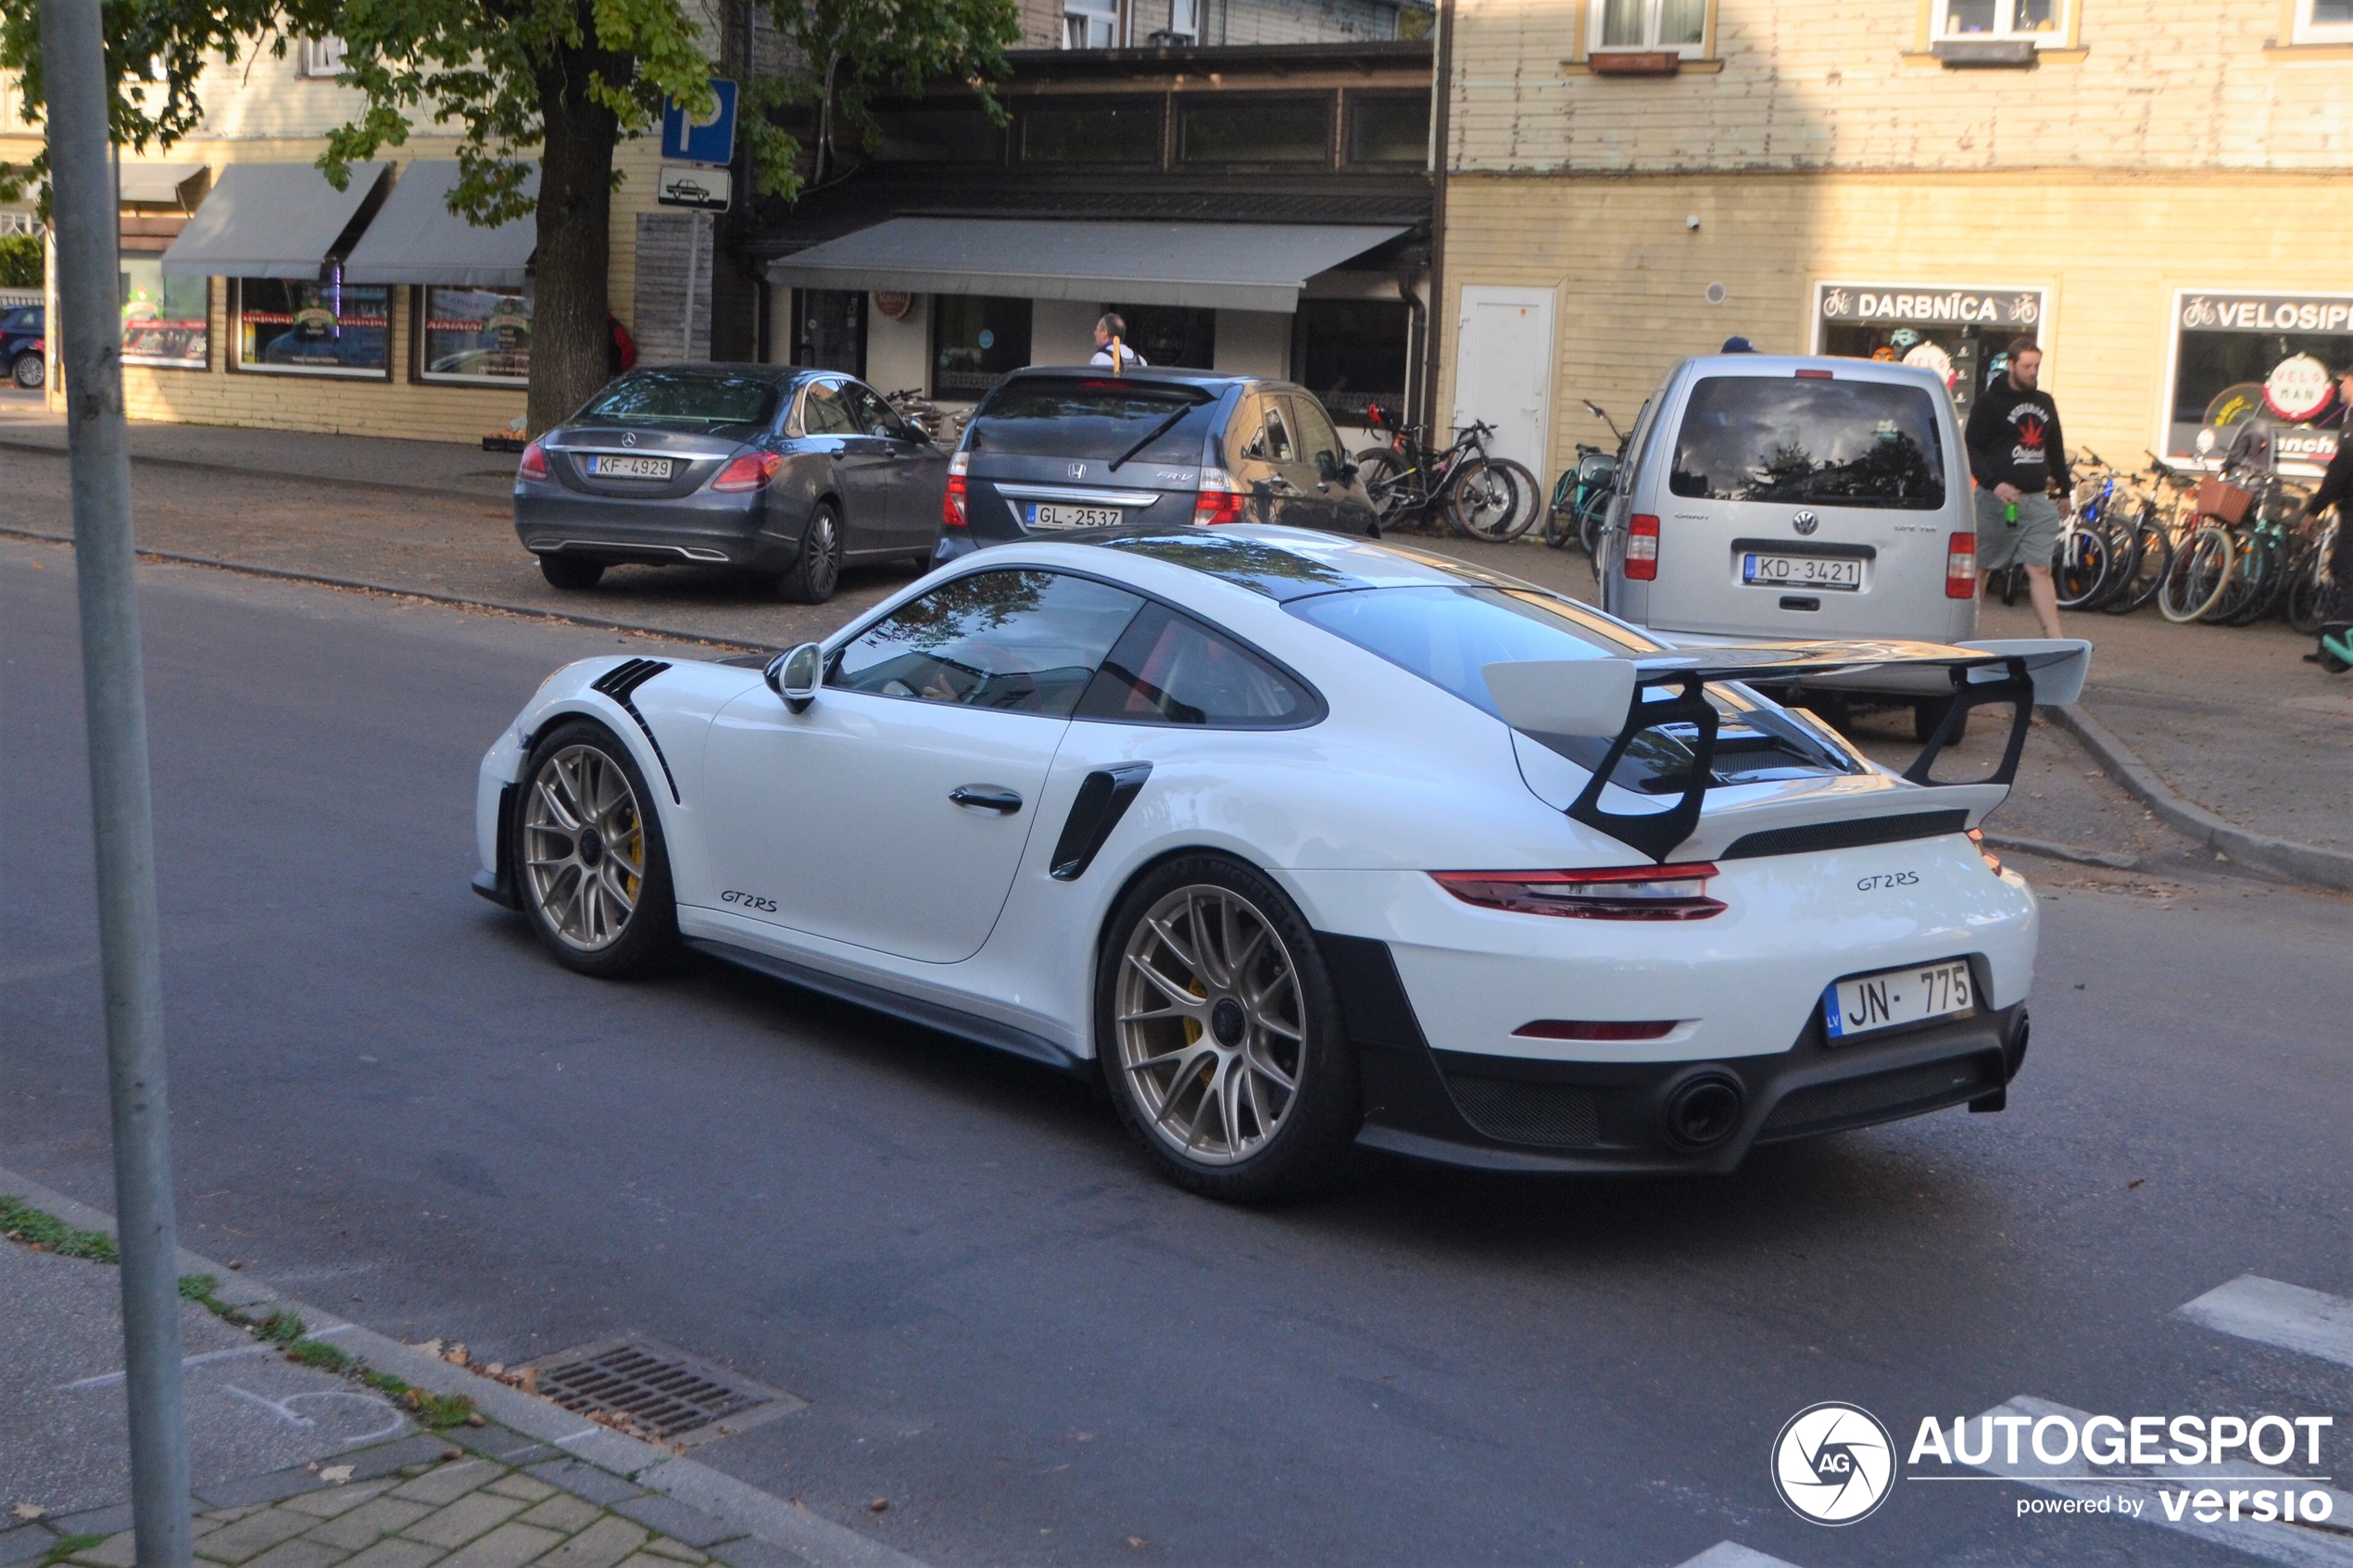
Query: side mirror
[[796, 674]]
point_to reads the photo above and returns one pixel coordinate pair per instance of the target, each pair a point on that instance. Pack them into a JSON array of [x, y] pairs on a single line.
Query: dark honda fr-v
[[1053, 449]]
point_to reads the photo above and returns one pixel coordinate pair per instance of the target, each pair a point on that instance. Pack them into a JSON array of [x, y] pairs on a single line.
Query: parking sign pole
[[122, 810]]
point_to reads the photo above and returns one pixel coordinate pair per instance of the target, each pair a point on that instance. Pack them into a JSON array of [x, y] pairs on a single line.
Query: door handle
[[986, 798]]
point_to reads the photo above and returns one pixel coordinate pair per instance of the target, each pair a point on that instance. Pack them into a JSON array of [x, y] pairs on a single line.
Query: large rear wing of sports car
[[1594, 697]]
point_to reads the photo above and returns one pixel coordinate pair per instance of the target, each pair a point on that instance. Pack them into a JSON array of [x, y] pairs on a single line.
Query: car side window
[[868, 413], [1280, 448], [1319, 442], [825, 411], [1169, 669], [1020, 642]]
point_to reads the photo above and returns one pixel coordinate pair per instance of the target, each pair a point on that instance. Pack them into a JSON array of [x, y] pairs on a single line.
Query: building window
[[166, 321], [479, 335], [1171, 334], [1389, 128], [829, 330], [1246, 130], [1183, 22], [2324, 21], [1962, 334], [1092, 133], [1090, 27], [927, 135], [2261, 359], [330, 329], [1676, 26], [1351, 354], [320, 57], [2040, 22], [976, 339]]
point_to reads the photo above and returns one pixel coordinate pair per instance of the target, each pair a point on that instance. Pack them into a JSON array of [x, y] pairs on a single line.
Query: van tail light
[[749, 472], [952, 505], [1642, 548], [1960, 566], [1816, 375], [534, 464], [1219, 501], [1613, 893]]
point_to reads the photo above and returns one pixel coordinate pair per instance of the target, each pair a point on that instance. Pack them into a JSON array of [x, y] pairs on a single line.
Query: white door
[[1503, 370]]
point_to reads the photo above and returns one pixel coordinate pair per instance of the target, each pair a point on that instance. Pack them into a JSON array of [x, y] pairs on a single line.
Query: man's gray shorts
[[2030, 541]]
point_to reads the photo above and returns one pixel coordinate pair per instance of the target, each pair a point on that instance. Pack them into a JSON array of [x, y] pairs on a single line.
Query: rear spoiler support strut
[[1656, 833], [2017, 687]]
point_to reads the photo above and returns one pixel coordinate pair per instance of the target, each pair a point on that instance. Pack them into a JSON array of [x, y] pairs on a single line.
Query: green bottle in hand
[[2009, 514]]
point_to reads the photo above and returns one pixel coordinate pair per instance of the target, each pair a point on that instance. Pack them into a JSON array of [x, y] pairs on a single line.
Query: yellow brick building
[[2157, 189]]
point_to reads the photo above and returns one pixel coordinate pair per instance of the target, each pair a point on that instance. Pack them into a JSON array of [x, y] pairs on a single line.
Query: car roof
[[732, 368], [1839, 367], [1145, 374]]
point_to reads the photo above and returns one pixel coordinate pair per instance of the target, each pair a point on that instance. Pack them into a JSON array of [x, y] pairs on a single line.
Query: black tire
[[1315, 1123], [1929, 713], [570, 572], [1382, 473], [29, 371], [816, 571], [646, 940]]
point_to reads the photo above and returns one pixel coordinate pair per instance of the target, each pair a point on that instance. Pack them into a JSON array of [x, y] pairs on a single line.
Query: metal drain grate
[[659, 1391]]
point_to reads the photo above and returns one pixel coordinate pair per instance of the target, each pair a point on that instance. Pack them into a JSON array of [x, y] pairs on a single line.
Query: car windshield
[[1095, 417], [1449, 636], [671, 398], [1802, 439]]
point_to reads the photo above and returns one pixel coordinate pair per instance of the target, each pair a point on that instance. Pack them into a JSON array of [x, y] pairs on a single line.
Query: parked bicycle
[[1411, 483], [1580, 498]]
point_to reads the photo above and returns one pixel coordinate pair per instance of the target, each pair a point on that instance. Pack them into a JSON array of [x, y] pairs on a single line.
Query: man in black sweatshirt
[[2019, 458]]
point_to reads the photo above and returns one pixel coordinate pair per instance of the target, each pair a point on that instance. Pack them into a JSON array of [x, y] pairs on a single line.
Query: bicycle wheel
[[1386, 482], [2080, 567], [1588, 528], [2155, 543], [1483, 500], [2263, 567], [2201, 573], [2307, 608], [1530, 494]]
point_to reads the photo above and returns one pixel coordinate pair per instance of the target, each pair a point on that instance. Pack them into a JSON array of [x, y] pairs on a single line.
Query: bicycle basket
[[2219, 499]]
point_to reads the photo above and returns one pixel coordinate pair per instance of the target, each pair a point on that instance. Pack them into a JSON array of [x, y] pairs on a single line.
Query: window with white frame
[[1183, 22], [2324, 21], [2040, 23], [322, 57], [1676, 26], [1090, 26]]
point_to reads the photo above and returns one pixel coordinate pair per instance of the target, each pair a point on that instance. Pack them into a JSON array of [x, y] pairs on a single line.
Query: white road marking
[[272, 1406], [2254, 1308], [1731, 1554], [2298, 1546], [106, 1379]]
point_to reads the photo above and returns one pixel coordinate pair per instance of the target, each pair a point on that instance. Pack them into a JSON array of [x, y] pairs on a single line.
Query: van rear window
[[1820, 442], [1095, 417]]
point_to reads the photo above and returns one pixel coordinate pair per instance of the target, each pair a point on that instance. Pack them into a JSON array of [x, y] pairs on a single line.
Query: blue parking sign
[[702, 141]]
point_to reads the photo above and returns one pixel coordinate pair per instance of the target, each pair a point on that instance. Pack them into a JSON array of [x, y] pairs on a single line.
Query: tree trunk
[[569, 343]]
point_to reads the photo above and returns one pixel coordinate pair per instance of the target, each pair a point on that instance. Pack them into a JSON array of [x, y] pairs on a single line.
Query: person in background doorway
[[2024, 487], [1112, 352], [2336, 489]]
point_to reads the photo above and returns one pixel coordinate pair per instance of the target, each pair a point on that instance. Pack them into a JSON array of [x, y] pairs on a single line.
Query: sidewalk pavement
[[296, 1465], [2223, 734]]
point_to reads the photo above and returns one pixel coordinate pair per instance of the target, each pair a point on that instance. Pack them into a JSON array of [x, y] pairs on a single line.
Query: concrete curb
[[531, 612], [2306, 863], [250, 472], [806, 1534], [2080, 854]]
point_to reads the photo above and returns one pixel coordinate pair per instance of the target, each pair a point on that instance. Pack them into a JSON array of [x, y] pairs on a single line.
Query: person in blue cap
[[1737, 345]]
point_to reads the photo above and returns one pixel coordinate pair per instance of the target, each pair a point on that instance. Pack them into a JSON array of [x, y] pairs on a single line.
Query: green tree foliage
[[550, 83], [19, 261]]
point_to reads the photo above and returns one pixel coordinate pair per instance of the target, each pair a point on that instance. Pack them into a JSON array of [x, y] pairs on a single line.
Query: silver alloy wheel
[[583, 844], [825, 566], [1211, 1024]]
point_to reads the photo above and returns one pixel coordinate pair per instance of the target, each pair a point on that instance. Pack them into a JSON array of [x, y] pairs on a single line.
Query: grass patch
[[280, 1327], [44, 1232], [313, 1352], [438, 1412], [67, 1546]]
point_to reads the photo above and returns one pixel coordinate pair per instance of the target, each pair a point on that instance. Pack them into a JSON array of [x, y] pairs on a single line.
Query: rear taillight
[[1219, 501], [749, 472], [1642, 548], [952, 505], [1993, 861], [1960, 566], [1613, 893], [534, 464]]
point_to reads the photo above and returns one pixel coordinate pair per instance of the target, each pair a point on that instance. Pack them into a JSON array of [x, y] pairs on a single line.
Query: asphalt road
[[387, 1100]]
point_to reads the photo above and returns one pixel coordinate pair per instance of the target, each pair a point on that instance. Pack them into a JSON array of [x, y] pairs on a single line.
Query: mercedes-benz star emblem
[[629, 440], [1806, 522]]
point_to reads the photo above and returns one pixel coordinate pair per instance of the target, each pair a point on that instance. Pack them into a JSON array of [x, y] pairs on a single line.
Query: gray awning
[[414, 238], [156, 185], [269, 221], [1237, 266]]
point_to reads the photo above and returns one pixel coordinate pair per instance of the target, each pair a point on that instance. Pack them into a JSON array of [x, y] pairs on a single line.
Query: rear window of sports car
[[1449, 636]]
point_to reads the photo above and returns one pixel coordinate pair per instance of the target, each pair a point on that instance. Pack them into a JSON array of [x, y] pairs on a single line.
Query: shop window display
[[2263, 358], [478, 335], [331, 329], [166, 321], [976, 339], [1958, 333]]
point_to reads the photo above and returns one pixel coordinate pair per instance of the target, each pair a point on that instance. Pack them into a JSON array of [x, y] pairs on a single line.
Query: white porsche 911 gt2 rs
[[1301, 841]]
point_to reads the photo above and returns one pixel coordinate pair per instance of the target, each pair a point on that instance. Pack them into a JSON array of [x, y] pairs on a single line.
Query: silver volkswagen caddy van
[[1772, 497]]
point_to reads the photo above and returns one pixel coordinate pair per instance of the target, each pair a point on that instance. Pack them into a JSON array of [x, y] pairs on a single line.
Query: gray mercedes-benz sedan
[[787, 473]]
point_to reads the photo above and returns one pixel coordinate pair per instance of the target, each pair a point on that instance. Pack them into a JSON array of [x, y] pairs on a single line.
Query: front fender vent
[[619, 683]]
